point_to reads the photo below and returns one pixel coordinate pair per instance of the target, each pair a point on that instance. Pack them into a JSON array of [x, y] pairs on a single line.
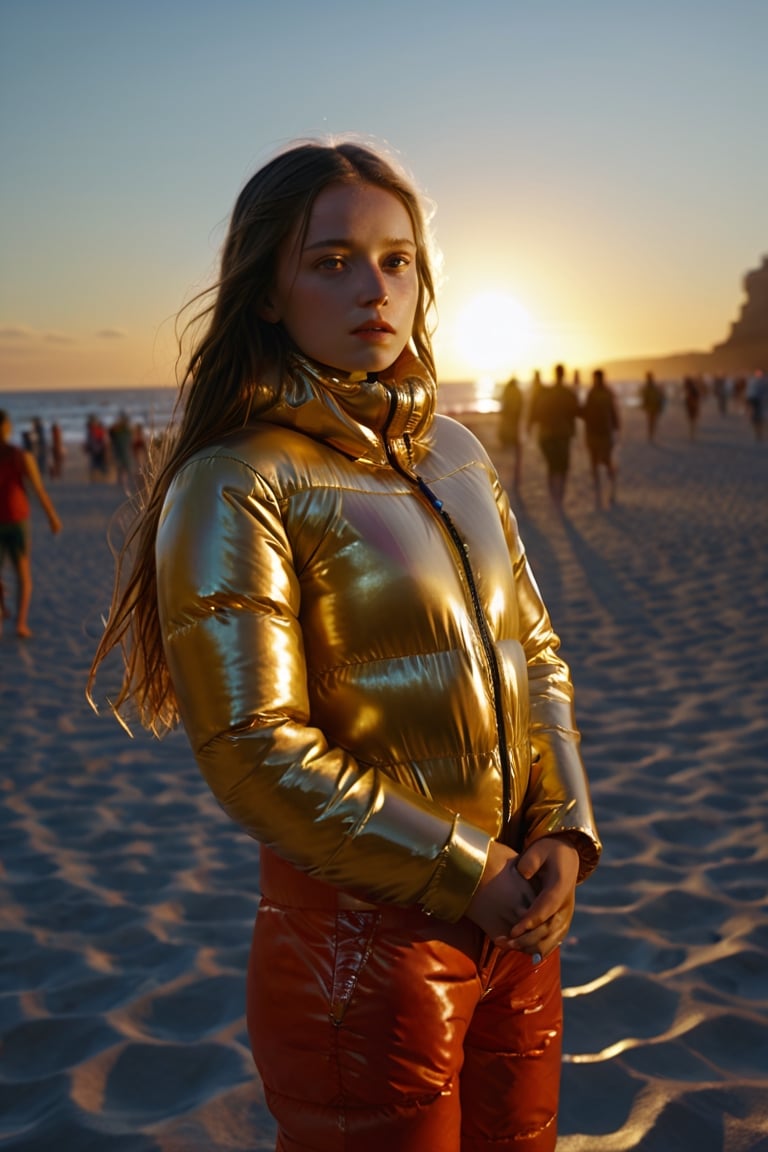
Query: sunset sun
[[494, 334]]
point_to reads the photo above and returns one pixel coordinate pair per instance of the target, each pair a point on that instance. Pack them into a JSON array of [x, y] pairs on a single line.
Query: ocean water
[[71, 408], [152, 407]]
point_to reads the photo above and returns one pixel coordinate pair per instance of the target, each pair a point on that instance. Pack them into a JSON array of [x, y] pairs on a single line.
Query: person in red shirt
[[17, 468]]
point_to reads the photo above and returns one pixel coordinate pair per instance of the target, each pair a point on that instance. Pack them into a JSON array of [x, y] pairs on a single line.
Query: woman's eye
[[398, 261], [331, 263]]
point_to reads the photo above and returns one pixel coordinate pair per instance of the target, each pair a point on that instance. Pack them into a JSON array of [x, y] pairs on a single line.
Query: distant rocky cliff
[[744, 349], [747, 341]]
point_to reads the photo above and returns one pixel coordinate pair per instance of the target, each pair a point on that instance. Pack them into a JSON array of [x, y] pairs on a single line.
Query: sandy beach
[[127, 898]]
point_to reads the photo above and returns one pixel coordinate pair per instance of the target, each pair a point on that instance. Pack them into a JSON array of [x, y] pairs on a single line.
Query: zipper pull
[[426, 491]]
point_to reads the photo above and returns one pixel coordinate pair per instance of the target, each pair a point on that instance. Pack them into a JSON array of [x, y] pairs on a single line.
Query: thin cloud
[[16, 334], [110, 334]]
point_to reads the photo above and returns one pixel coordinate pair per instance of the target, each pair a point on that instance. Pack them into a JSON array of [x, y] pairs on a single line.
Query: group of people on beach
[[118, 450], [554, 410], [552, 413], [746, 393], [47, 450]]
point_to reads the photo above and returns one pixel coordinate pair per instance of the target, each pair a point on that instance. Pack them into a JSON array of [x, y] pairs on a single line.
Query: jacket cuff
[[457, 875], [586, 845]]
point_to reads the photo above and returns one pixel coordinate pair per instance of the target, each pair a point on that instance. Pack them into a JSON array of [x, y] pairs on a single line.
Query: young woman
[[329, 591]]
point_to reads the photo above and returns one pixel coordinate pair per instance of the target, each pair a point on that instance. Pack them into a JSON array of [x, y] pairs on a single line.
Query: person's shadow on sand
[[617, 599]]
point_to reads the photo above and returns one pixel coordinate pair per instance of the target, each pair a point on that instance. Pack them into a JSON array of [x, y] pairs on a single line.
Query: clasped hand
[[525, 902]]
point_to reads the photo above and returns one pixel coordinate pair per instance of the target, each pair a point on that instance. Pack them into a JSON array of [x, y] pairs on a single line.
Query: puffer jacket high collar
[[373, 417]]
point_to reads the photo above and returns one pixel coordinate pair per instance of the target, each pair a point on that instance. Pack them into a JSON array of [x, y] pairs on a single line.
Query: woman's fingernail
[[536, 958]]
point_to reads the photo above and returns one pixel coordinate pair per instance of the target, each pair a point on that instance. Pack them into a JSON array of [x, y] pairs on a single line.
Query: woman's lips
[[374, 335], [374, 330]]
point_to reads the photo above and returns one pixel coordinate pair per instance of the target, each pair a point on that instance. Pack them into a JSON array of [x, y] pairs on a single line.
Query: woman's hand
[[551, 865], [503, 895]]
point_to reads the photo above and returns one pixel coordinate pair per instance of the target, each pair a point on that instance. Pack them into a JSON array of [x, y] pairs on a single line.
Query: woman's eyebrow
[[342, 242]]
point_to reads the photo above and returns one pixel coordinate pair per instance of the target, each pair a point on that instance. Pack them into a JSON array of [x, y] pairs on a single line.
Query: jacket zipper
[[482, 624]]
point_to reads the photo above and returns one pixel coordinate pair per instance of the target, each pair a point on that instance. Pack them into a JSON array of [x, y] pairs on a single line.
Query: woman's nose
[[372, 287]]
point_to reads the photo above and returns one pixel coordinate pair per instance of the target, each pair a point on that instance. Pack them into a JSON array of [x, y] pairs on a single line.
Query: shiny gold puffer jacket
[[364, 667]]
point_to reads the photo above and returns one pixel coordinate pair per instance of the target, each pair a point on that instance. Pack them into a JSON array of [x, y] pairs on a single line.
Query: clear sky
[[599, 167]]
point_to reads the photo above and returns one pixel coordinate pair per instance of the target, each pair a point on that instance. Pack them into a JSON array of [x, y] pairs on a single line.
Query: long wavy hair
[[225, 380]]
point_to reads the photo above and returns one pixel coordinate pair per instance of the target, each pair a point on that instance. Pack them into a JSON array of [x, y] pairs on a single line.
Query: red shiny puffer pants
[[379, 1029]]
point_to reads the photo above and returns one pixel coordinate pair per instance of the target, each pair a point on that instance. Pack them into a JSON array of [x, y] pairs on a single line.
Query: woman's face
[[347, 296]]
